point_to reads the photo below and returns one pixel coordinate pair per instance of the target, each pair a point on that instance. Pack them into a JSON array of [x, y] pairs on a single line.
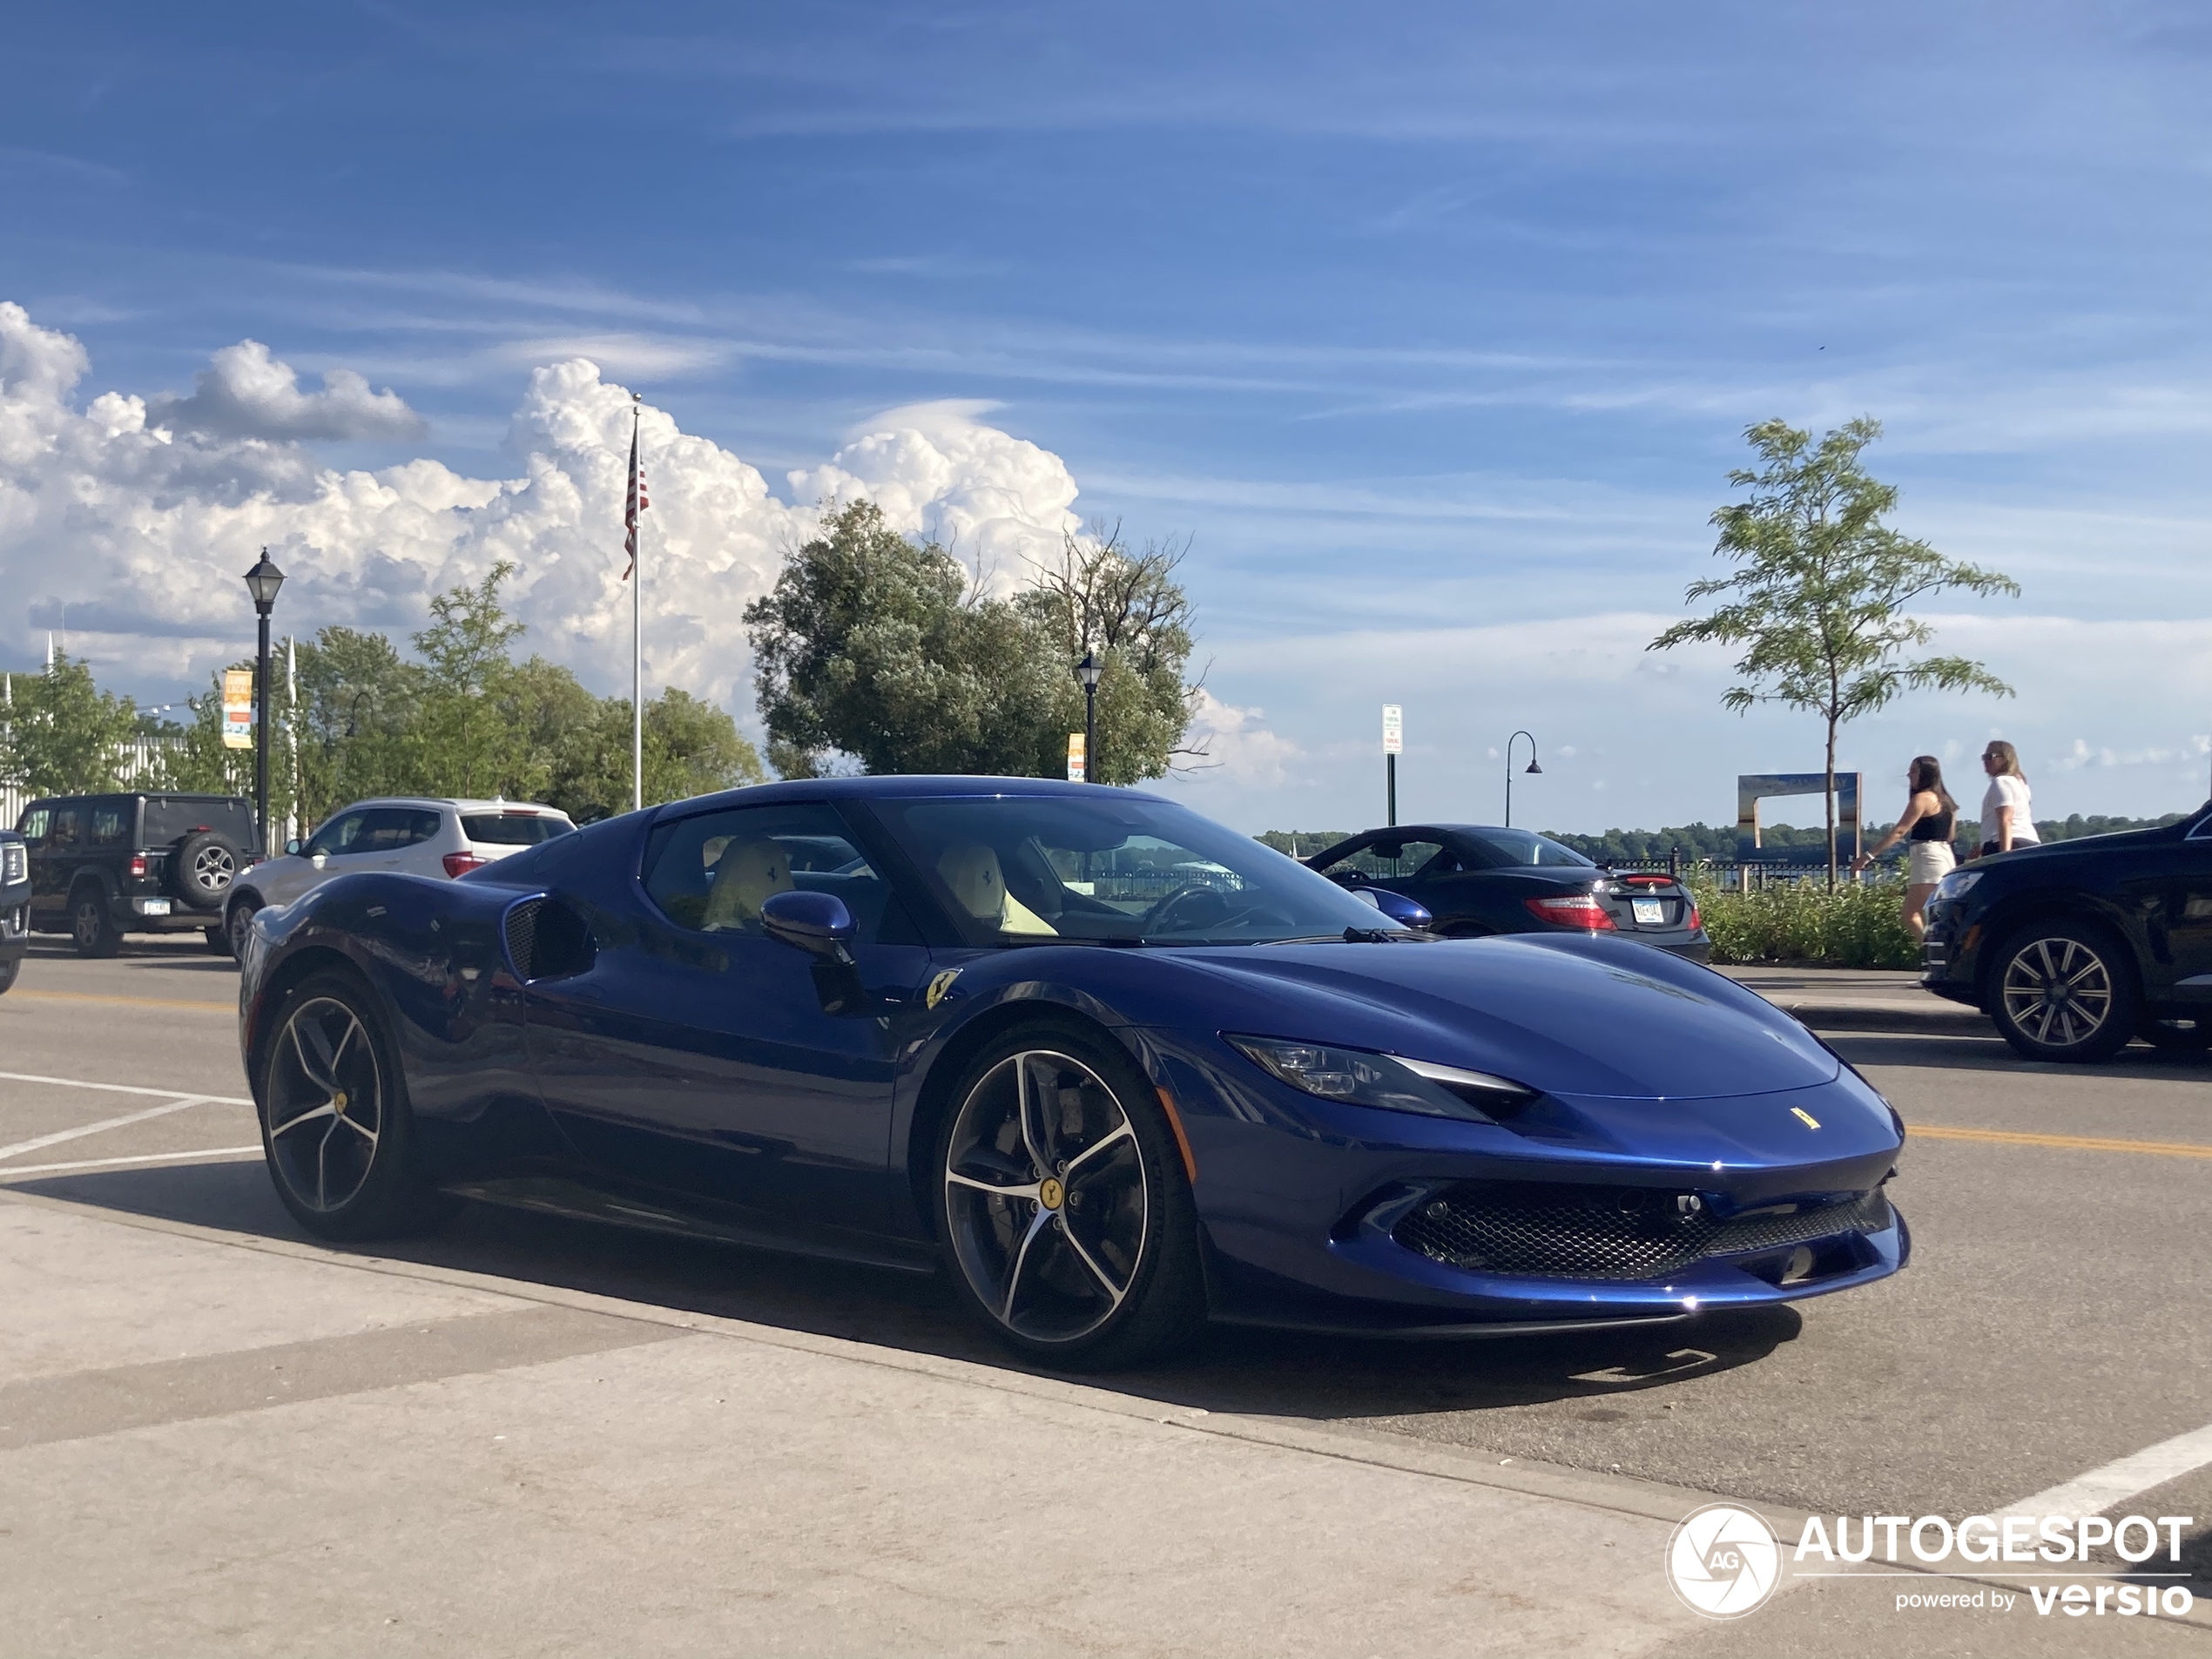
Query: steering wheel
[[1158, 913]]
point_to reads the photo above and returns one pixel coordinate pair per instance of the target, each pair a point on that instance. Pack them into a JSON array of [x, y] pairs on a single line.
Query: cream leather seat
[[972, 871], [746, 876]]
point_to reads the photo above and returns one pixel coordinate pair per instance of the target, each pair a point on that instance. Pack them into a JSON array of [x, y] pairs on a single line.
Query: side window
[[387, 829], [422, 826], [713, 871], [341, 835], [107, 826], [1386, 861], [69, 829], [33, 827]]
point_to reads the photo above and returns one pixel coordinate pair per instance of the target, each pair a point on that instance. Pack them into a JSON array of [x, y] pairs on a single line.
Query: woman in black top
[[1926, 826]]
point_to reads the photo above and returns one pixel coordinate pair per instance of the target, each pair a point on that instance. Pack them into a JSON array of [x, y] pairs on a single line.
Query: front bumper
[[14, 922], [1306, 1212]]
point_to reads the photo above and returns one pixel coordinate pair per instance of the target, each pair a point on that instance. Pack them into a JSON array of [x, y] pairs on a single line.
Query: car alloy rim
[[326, 1103], [88, 921], [212, 867], [2058, 991], [241, 928], [1045, 1195]]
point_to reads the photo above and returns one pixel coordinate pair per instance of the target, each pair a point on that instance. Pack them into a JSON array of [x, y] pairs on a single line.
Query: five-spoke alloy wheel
[[2063, 992], [1064, 1205], [333, 1117]]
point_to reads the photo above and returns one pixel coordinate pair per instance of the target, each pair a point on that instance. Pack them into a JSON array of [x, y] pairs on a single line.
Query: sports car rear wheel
[[1063, 1205], [335, 1122]]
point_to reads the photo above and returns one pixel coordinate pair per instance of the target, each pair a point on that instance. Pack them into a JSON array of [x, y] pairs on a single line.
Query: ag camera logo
[[1724, 1561]]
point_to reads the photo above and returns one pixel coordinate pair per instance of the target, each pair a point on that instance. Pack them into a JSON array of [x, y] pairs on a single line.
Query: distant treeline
[[1705, 841]]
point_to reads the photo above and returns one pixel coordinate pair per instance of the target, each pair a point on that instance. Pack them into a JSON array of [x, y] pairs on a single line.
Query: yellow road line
[[2068, 1142], [122, 1002]]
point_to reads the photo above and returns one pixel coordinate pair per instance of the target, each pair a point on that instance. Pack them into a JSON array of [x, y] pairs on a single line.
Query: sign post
[[1393, 742], [238, 708], [1078, 758]]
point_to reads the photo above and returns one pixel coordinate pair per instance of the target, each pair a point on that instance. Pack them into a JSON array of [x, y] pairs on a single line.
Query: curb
[[1949, 1021]]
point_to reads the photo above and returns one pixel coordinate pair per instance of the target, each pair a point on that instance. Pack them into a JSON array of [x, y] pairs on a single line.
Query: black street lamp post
[[1532, 767], [262, 581], [1089, 671]]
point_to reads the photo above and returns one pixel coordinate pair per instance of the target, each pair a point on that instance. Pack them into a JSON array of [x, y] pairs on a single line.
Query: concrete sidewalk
[[1847, 999]]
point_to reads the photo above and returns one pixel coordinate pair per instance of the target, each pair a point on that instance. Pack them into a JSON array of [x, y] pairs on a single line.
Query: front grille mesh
[[1560, 1231]]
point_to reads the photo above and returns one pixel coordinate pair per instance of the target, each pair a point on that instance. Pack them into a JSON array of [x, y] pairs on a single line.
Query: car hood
[[1568, 1015]]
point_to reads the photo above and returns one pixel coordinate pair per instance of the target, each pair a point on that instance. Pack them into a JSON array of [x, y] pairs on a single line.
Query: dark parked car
[[105, 866], [2075, 946], [1113, 1068], [15, 906], [1476, 880]]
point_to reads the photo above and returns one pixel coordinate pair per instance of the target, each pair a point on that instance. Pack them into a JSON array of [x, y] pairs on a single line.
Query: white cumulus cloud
[[128, 524]]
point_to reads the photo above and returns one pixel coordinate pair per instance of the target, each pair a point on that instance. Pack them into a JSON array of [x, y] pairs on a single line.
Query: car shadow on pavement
[[1234, 1370]]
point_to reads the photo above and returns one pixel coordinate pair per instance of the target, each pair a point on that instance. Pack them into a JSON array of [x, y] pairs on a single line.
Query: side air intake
[[546, 939]]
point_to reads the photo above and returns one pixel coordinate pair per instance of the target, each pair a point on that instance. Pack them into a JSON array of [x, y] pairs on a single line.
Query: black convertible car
[[1476, 879], [2075, 946]]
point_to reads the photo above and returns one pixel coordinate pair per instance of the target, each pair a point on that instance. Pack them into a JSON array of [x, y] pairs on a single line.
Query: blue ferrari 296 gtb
[[1115, 1069]]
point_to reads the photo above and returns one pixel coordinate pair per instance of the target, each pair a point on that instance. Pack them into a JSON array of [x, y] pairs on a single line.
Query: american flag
[[637, 504]]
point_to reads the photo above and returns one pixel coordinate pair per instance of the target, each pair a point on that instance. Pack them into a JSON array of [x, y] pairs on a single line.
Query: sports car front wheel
[[1063, 1202]]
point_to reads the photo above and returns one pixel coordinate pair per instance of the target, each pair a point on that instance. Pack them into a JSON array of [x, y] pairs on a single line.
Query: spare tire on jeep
[[202, 868]]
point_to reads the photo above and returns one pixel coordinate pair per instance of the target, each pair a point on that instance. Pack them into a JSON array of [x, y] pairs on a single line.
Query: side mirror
[[1404, 912], [817, 923], [292, 847]]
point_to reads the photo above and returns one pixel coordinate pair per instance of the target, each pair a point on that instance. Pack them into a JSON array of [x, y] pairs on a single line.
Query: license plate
[[1651, 913], [153, 907]]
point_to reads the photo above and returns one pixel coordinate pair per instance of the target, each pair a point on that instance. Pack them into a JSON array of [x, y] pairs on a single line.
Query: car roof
[[451, 804], [908, 787]]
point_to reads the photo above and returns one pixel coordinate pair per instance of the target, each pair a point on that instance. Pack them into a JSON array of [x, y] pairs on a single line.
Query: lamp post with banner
[[1393, 742], [1090, 671], [262, 581]]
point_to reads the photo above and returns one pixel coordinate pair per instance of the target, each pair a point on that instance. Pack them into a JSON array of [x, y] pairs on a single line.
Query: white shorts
[[1928, 862]]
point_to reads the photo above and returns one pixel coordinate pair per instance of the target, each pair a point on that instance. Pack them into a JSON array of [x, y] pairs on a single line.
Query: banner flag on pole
[[636, 504]]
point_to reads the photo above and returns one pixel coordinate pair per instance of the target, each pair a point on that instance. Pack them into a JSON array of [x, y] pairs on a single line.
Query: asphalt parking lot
[[532, 1435]]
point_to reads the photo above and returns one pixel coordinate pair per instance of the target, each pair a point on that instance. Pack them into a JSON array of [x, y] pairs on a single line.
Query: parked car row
[[98, 867]]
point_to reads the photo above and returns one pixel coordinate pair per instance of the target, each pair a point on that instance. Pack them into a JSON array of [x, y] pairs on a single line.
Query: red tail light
[[1694, 923], [1571, 910], [462, 863], [138, 864]]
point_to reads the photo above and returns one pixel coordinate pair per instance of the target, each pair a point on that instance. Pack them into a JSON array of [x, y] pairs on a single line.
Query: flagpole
[[637, 623]]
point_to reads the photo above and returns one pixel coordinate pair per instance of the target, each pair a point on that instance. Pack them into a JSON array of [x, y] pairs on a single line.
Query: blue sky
[[1436, 326]]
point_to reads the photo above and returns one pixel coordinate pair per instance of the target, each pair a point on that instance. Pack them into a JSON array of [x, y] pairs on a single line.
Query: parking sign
[[1394, 728]]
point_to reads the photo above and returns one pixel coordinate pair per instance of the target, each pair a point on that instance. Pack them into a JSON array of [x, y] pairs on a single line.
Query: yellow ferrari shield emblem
[[938, 986], [1050, 1192]]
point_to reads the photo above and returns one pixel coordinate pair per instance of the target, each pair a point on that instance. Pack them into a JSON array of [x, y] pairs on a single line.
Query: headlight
[[1954, 886], [1359, 1078]]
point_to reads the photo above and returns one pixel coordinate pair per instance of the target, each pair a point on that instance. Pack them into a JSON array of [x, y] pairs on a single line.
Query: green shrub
[[1853, 926]]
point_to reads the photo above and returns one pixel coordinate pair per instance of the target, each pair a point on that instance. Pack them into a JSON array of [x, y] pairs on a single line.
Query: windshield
[[1526, 847], [1024, 869]]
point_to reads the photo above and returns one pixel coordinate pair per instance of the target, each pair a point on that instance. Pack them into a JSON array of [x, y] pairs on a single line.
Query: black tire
[[218, 942], [91, 925], [238, 924], [2178, 1036], [202, 868], [2065, 991], [1062, 1285], [329, 1060], [9, 971]]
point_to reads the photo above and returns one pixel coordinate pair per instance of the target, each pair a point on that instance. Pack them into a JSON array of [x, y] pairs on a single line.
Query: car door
[[2190, 929], [335, 848], [696, 1056], [48, 893], [1402, 860]]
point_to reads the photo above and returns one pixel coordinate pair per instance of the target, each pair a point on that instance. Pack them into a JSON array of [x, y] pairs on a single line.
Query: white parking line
[[118, 1089], [83, 1129], [144, 1157], [2128, 1477]]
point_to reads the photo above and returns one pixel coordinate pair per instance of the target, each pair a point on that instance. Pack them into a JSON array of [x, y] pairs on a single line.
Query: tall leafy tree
[[61, 734], [472, 745], [881, 651], [1820, 582]]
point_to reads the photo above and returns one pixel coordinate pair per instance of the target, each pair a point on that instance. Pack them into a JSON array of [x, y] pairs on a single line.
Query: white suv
[[416, 836]]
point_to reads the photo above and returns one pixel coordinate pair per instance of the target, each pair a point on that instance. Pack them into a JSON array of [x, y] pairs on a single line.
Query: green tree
[[691, 748], [1817, 595], [1126, 606], [470, 742], [874, 648], [61, 734]]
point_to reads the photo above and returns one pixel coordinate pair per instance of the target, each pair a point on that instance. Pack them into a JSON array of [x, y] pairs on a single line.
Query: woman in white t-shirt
[[2006, 821]]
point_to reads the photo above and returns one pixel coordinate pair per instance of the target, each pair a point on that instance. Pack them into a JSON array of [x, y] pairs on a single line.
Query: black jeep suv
[[103, 866], [2075, 946], [15, 906]]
